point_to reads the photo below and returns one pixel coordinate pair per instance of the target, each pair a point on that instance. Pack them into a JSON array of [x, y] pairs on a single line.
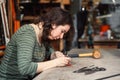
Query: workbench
[[100, 43], [110, 60]]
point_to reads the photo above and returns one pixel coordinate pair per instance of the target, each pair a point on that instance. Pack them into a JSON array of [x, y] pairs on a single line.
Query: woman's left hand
[[57, 54]]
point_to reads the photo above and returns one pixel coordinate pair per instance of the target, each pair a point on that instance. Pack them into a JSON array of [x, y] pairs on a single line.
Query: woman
[[29, 47]]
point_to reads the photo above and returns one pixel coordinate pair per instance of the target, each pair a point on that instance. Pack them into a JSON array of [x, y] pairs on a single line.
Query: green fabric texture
[[22, 52]]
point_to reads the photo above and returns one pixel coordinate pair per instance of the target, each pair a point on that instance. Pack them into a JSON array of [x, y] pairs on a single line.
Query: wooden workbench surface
[[110, 60]]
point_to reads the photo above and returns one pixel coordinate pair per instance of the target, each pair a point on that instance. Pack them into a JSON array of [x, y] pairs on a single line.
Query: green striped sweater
[[21, 55]]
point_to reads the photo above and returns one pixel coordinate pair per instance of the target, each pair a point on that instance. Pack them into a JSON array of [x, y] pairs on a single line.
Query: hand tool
[[89, 70], [83, 69], [95, 54], [94, 69]]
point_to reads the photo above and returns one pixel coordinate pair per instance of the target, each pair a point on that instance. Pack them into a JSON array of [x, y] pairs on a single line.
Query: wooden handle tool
[[95, 54]]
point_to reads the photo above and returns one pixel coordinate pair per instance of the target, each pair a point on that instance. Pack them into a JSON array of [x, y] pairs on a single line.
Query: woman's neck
[[38, 31]]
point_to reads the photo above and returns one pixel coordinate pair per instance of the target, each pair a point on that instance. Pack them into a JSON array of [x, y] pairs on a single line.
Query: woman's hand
[[62, 61], [58, 60], [57, 54]]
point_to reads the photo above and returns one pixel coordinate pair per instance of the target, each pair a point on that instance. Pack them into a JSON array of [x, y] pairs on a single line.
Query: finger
[[68, 58], [68, 63], [60, 55]]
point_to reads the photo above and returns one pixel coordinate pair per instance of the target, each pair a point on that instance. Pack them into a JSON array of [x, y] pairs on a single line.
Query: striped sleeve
[[25, 46]]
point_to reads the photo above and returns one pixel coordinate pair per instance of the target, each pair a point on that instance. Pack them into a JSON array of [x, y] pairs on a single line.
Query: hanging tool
[[4, 21], [5, 26]]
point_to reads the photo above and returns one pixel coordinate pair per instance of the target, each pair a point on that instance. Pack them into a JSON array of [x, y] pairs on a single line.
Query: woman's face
[[58, 31]]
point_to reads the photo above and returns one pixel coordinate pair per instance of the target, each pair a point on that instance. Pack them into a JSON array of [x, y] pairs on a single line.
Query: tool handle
[[85, 54]]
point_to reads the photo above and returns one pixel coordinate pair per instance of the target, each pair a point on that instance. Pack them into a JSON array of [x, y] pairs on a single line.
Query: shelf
[[64, 2], [26, 18]]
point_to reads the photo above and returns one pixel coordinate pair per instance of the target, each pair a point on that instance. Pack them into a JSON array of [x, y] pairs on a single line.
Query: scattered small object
[[89, 70]]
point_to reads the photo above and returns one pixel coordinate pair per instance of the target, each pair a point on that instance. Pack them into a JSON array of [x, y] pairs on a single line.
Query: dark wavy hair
[[58, 16]]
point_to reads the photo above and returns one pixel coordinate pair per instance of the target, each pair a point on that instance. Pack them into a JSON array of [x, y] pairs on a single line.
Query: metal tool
[[82, 69], [94, 69], [89, 70]]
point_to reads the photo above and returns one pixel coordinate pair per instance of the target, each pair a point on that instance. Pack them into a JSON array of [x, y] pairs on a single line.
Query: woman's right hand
[[62, 61], [57, 62]]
